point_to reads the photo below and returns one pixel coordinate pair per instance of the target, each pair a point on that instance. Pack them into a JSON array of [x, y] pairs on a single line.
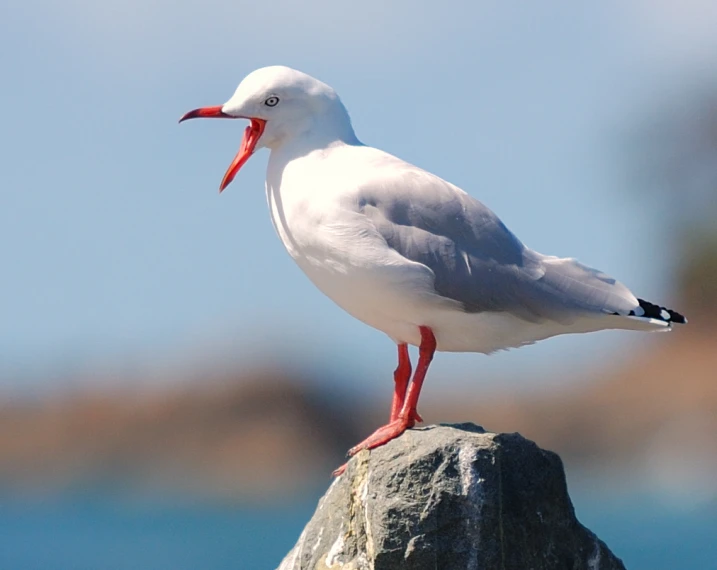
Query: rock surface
[[450, 498]]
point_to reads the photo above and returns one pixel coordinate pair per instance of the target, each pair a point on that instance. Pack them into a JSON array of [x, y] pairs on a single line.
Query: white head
[[283, 105]]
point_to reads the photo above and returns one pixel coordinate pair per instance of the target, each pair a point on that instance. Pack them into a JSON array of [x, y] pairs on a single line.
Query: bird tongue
[[252, 134]]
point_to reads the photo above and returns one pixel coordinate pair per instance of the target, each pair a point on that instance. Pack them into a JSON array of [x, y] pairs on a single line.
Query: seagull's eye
[[272, 101]]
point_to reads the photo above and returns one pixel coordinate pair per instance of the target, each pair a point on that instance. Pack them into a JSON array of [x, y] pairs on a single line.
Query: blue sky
[[118, 254]]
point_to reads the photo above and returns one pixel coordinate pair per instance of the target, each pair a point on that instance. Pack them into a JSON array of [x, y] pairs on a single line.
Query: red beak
[[252, 134]]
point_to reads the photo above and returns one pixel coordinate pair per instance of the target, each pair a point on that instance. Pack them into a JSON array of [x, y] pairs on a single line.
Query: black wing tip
[[652, 311]]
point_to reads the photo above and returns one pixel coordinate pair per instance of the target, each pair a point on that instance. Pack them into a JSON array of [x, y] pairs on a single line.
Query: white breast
[[340, 251]]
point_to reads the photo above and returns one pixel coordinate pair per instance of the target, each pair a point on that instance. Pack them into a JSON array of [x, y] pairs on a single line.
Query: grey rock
[[450, 498]]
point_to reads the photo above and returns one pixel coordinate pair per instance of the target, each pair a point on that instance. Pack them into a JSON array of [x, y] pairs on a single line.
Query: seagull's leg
[[407, 416], [425, 356], [401, 376]]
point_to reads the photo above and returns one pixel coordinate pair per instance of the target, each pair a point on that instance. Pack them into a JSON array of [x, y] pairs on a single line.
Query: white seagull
[[403, 250]]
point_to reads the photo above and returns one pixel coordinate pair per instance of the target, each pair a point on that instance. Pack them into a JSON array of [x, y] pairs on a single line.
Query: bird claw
[[383, 435]]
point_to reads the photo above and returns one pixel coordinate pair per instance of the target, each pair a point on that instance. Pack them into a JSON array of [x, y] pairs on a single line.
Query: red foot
[[383, 435]]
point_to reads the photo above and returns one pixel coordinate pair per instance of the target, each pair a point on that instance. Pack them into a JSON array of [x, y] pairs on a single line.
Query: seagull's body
[[350, 231], [405, 251]]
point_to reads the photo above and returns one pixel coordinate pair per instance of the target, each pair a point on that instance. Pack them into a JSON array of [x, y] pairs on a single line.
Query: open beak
[[252, 134]]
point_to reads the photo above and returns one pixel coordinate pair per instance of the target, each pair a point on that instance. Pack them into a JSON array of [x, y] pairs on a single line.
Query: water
[[650, 535], [101, 534]]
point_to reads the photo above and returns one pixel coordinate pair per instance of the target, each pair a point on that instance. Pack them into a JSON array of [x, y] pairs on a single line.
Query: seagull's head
[[282, 105]]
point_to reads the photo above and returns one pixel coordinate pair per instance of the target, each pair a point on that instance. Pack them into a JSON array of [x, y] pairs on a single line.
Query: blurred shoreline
[[648, 417]]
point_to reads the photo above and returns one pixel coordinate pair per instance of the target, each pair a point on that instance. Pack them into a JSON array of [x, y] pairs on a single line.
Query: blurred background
[[174, 392]]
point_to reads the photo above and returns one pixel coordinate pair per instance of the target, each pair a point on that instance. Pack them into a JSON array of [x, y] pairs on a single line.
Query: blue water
[[102, 534], [648, 535], [99, 534]]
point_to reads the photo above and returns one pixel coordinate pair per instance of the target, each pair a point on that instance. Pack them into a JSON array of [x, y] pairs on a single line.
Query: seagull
[[403, 250]]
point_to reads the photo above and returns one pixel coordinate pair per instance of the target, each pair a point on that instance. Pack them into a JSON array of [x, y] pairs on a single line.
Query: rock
[[450, 497]]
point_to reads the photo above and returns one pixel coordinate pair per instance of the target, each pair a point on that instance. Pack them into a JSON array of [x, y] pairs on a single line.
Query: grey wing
[[478, 262]]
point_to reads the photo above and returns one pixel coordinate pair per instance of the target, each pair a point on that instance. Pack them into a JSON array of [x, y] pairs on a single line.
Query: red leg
[[407, 415], [401, 376]]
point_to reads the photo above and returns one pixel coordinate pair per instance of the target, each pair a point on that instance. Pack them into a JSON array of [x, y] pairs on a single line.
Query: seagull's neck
[[319, 132]]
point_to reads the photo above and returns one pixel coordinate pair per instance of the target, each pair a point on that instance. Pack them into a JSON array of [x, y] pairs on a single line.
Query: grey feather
[[478, 262]]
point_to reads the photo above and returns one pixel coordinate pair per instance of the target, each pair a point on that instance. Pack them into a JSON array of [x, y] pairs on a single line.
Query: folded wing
[[477, 261]]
